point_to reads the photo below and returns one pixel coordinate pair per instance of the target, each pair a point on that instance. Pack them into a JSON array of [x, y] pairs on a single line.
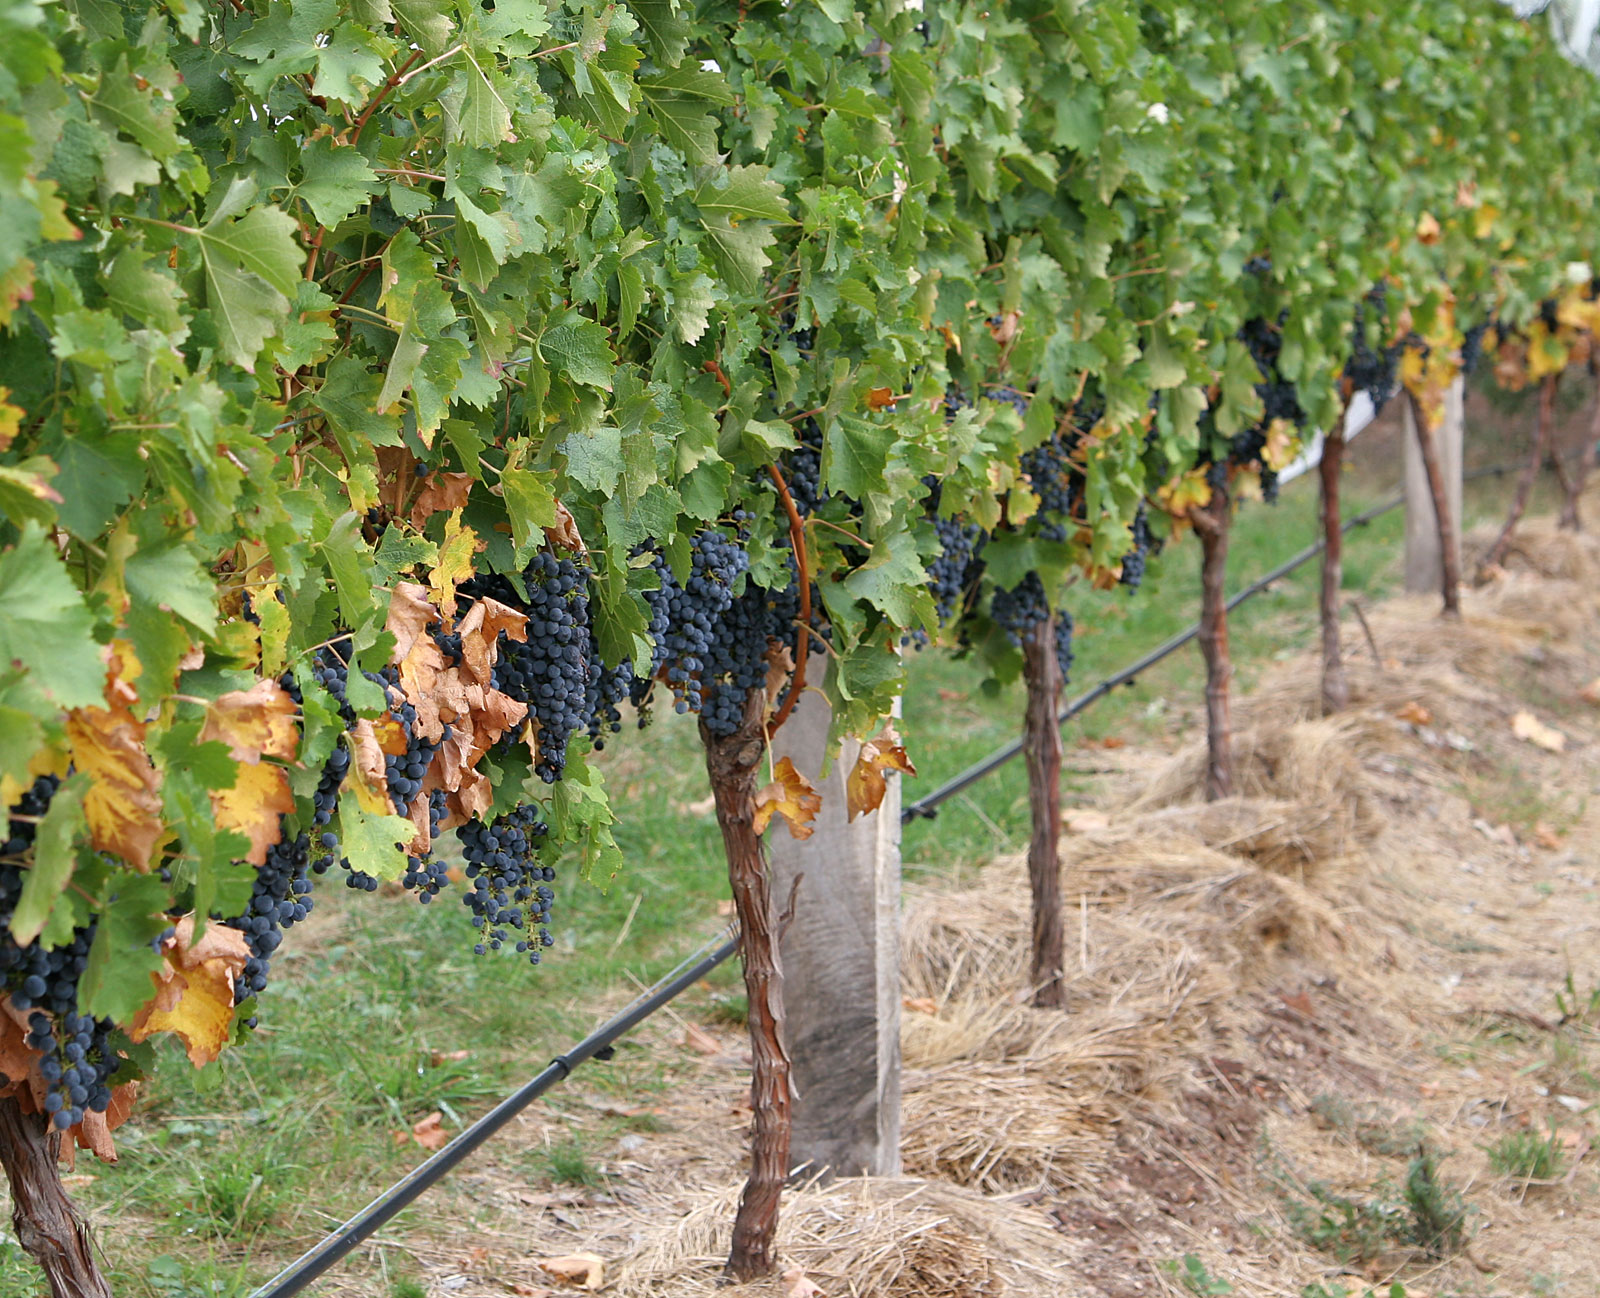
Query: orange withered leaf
[[194, 990], [866, 784], [123, 803], [440, 493], [791, 796], [255, 723], [565, 535]]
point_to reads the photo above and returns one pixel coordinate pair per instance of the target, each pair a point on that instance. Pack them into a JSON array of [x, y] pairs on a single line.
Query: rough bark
[[1450, 557], [1335, 684], [733, 762], [1041, 747], [1212, 524], [1571, 520], [46, 1222], [1497, 552]]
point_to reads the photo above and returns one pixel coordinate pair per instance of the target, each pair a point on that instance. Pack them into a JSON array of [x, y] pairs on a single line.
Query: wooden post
[[47, 1224], [1335, 684], [1573, 485], [1433, 500], [1041, 748], [1212, 524], [1543, 420], [734, 762], [841, 963]]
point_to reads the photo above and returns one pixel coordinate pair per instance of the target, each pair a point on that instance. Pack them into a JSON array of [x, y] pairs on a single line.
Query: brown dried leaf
[[1590, 693], [919, 1004], [565, 535], [430, 1132], [1546, 837], [440, 493], [259, 796], [16, 1059], [1003, 327], [791, 796], [1415, 713], [587, 1270], [438, 1057], [1427, 228], [1528, 728], [1084, 821], [866, 784], [369, 774], [700, 1041], [261, 721], [796, 1284], [880, 398]]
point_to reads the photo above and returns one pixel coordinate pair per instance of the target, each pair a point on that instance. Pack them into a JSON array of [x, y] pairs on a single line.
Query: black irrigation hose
[[295, 1277]]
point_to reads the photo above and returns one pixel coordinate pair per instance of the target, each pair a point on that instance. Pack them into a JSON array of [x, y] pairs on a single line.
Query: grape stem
[[797, 540]]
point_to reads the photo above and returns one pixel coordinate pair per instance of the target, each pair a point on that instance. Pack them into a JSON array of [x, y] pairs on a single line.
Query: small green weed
[[1191, 1273], [1438, 1213], [1396, 1290], [1368, 1125], [730, 1009], [407, 1289], [1349, 1230], [1527, 1156], [1576, 1007], [569, 1164]]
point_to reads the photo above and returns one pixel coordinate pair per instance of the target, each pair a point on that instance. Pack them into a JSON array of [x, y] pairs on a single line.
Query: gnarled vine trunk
[[1530, 471], [1041, 747], [1450, 556], [48, 1226], [1335, 684], [733, 762], [1212, 524], [1571, 521]]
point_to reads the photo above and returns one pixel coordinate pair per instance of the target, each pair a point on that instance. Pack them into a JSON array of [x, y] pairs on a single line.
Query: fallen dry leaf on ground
[[796, 1284], [429, 1133], [1590, 693], [586, 1269], [700, 1041], [1528, 728], [1082, 820], [921, 1004], [1545, 836], [1415, 713]]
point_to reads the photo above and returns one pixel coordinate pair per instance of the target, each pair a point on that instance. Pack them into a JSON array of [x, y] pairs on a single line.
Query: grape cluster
[[688, 620], [510, 888], [279, 898], [802, 470], [403, 772], [1472, 346], [1018, 610], [1053, 479], [551, 671], [1064, 644], [77, 1056], [1133, 562], [957, 565]]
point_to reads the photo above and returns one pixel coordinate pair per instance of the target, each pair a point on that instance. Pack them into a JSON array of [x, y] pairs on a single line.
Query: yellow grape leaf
[[1427, 228], [1483, 220], [261, 721], [791, 796], [10, 419], [1282, 445], [194, 990], [455, 561], [866, 783], [123, 804], [253, 805], [1547, 354], [1021, 505], [1185, 493]]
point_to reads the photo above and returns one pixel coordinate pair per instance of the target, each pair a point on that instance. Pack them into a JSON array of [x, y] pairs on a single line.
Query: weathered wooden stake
[[1543, 421], [1212, 525], [1335, 684], [48, 1226], [1041, 749], [1433, 500], [841, 963], [733, 762], [1571, 520]]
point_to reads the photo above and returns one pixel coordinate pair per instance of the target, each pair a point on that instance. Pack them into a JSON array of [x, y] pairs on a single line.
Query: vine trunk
[[1041, 747], [1450, 556], [48, 1226], [1335, 684], [1571, 520], [733, 762], [1542, 422], [1212, 524]]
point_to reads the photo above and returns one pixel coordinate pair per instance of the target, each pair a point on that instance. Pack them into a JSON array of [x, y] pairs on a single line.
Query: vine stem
[[797, 539]]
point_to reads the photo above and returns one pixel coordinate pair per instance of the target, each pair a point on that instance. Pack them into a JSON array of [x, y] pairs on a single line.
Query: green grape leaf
[[45, 626]]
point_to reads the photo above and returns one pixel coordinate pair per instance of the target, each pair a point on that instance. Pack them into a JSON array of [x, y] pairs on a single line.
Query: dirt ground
[[1341, 1030]]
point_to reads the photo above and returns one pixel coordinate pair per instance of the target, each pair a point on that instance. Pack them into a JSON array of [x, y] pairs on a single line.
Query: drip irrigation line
[[295, 1277]]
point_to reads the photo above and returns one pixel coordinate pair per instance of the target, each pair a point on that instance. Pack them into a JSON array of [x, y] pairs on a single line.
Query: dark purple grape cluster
[[510, 889], [1133, 563], [688, 619], [1018, 610], [1064, 643], [957, 565], [78, 1058], [551, 670], [280, 898], [1472, 347], [802, 469]]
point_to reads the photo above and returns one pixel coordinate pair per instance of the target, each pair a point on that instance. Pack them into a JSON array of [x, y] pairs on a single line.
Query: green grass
[[227, 1173], [1527, 1156]]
